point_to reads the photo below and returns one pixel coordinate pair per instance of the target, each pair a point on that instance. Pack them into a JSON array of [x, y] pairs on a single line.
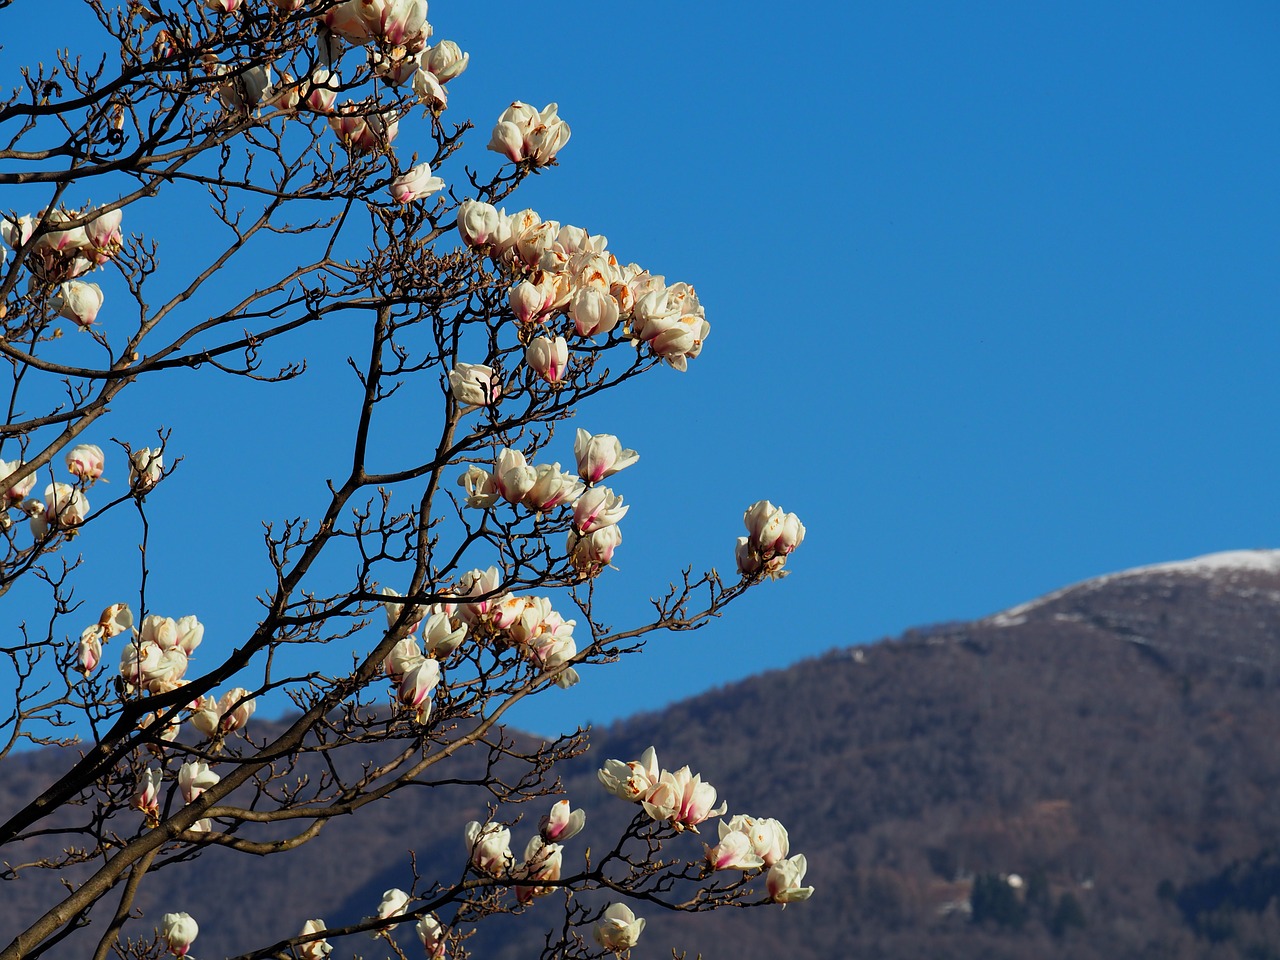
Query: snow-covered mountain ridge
[[1226, 565]]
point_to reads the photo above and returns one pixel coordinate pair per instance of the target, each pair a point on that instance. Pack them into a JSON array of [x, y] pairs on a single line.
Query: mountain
[[1089, 775]]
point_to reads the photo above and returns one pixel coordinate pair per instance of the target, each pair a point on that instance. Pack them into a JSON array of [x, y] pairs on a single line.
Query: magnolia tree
[[322, 128]]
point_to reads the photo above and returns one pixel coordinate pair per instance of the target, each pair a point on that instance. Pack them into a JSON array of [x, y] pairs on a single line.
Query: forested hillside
[[1092, 777]]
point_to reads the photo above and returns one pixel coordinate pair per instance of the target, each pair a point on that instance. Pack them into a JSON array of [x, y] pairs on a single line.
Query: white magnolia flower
[[598, 507], [195, 778], [178, 930], [784, 880], [433, 935], [313, 949], [561, 823], [682, 799], [78, 301], [65, 506], [619, 929], [600, 456], [473, 384], [394, 902], [490, 846], [548, 358], [445, 60], [631, 780], [480, 223], [415, 184], [86, 461], [146, 467]]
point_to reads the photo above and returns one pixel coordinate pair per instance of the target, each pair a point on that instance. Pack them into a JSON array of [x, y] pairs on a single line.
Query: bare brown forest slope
[[1112, 747]]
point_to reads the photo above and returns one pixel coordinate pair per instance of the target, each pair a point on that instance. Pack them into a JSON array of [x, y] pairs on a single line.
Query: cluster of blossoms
[[114, 620], [58, 256], [394, 35], [65, 506], [415, 673], [597, 510], [682, 800], [751, 843], [772, 535], [194, 778], [561, 271], [540, 488], [215, 717], [155, 660], [489, 850], [529, 625], [525, 133]]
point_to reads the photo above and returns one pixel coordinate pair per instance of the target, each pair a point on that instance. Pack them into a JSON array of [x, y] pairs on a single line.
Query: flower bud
[[416, 687], [85, 460], [104, 235], [146, 467], [529, 302], [195, 778], [548, 358], [313, 949], [393, 903], [513, 476], [619, 929], [178, 931], [89, 653], [440, 636], [146, 797], [78, 301], [561, 823], [433, 935], [490, 846], [478, 222], [236, 707]]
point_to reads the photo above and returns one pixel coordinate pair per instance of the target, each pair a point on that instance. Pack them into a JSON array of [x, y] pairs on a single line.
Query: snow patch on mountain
[[1210, 565]]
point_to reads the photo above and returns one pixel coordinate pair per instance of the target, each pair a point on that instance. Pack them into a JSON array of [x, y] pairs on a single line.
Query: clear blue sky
[[993, 291]]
